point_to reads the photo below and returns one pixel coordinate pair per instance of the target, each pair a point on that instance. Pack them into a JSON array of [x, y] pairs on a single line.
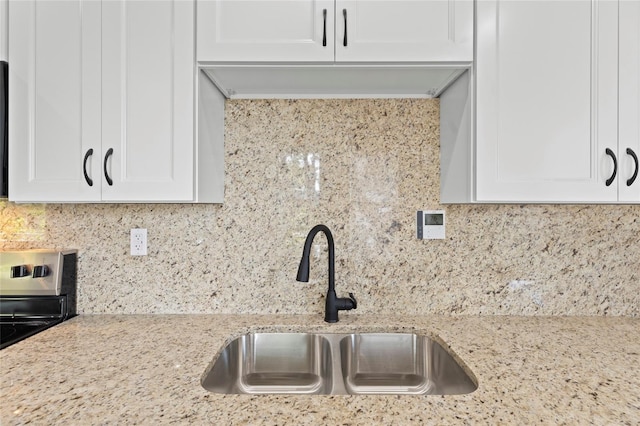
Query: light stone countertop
[[146, 369]]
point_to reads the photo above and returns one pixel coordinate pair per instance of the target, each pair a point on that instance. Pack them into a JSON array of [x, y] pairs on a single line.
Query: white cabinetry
[[258, 30], [404, 30], [629, 102], [340, 30], [148, 99], [54, 82], [4, 32], [102, 102], [548, 100]]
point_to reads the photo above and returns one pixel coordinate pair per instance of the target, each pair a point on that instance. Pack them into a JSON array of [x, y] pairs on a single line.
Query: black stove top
[[21, 317], [13, 332]]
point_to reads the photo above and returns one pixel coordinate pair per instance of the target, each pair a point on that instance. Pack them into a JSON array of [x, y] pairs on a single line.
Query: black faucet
[[333, 304]]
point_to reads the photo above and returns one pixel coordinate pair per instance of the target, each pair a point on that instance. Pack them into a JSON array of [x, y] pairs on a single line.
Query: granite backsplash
[[363, 168]]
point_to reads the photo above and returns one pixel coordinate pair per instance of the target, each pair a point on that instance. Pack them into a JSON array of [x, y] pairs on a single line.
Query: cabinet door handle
[[635, 160], [324, 27], [106, 173], [88, 154], [344, 14], [615, 166]]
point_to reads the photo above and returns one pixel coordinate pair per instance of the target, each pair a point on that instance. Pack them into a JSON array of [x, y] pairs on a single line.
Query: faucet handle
[[353, 299]]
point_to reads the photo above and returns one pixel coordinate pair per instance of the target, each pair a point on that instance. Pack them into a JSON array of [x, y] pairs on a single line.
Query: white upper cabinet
[[629, 103], [148, 100], [54, 120], [556, 111], [547, 97], [340, 30], [4, 31], [103, 102], [259, 30], [404, 30]]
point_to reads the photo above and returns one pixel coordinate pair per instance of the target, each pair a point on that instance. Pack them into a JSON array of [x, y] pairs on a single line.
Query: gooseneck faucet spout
[[333, 304]]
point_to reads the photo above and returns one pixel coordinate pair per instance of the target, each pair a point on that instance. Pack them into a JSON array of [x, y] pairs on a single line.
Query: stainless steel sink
[[336, 364], [272, 363], [395, 363]]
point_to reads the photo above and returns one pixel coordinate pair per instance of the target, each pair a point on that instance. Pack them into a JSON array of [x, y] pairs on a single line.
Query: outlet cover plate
[[138, 242]]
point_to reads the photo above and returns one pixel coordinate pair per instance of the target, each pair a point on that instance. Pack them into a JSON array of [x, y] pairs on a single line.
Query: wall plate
[[138, 242]]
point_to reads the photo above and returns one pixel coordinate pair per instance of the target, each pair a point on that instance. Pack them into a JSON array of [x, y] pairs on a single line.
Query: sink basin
[[400, 363], [336, 364], [272, 363]]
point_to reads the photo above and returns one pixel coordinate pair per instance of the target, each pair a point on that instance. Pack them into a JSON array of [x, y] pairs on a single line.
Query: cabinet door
[[4, 30], [546, 100], [629, 100], [148, 100], [259, 30], [54, 82], [404, 30]]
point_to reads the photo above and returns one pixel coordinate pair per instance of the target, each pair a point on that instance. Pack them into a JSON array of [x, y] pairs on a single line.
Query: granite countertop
[[146, 369]]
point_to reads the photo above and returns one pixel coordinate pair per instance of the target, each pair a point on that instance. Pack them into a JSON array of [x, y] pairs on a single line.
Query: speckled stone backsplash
[[363, 168]]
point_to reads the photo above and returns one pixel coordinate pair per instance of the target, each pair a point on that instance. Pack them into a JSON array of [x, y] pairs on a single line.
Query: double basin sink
[[337, 364]]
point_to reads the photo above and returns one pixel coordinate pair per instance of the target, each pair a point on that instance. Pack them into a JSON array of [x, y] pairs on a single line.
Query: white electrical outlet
[[139, 242]]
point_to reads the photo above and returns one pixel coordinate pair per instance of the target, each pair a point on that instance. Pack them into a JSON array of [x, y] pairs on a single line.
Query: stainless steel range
[[37, 291]]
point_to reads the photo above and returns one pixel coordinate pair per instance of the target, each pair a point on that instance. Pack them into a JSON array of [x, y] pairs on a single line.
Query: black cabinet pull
[[635, 173], [88, 154], [615, 166], [324, 27], [344, 13], [106, 173]]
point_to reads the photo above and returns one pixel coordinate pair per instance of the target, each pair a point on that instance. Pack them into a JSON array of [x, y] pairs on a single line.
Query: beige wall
[[362, 167]]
